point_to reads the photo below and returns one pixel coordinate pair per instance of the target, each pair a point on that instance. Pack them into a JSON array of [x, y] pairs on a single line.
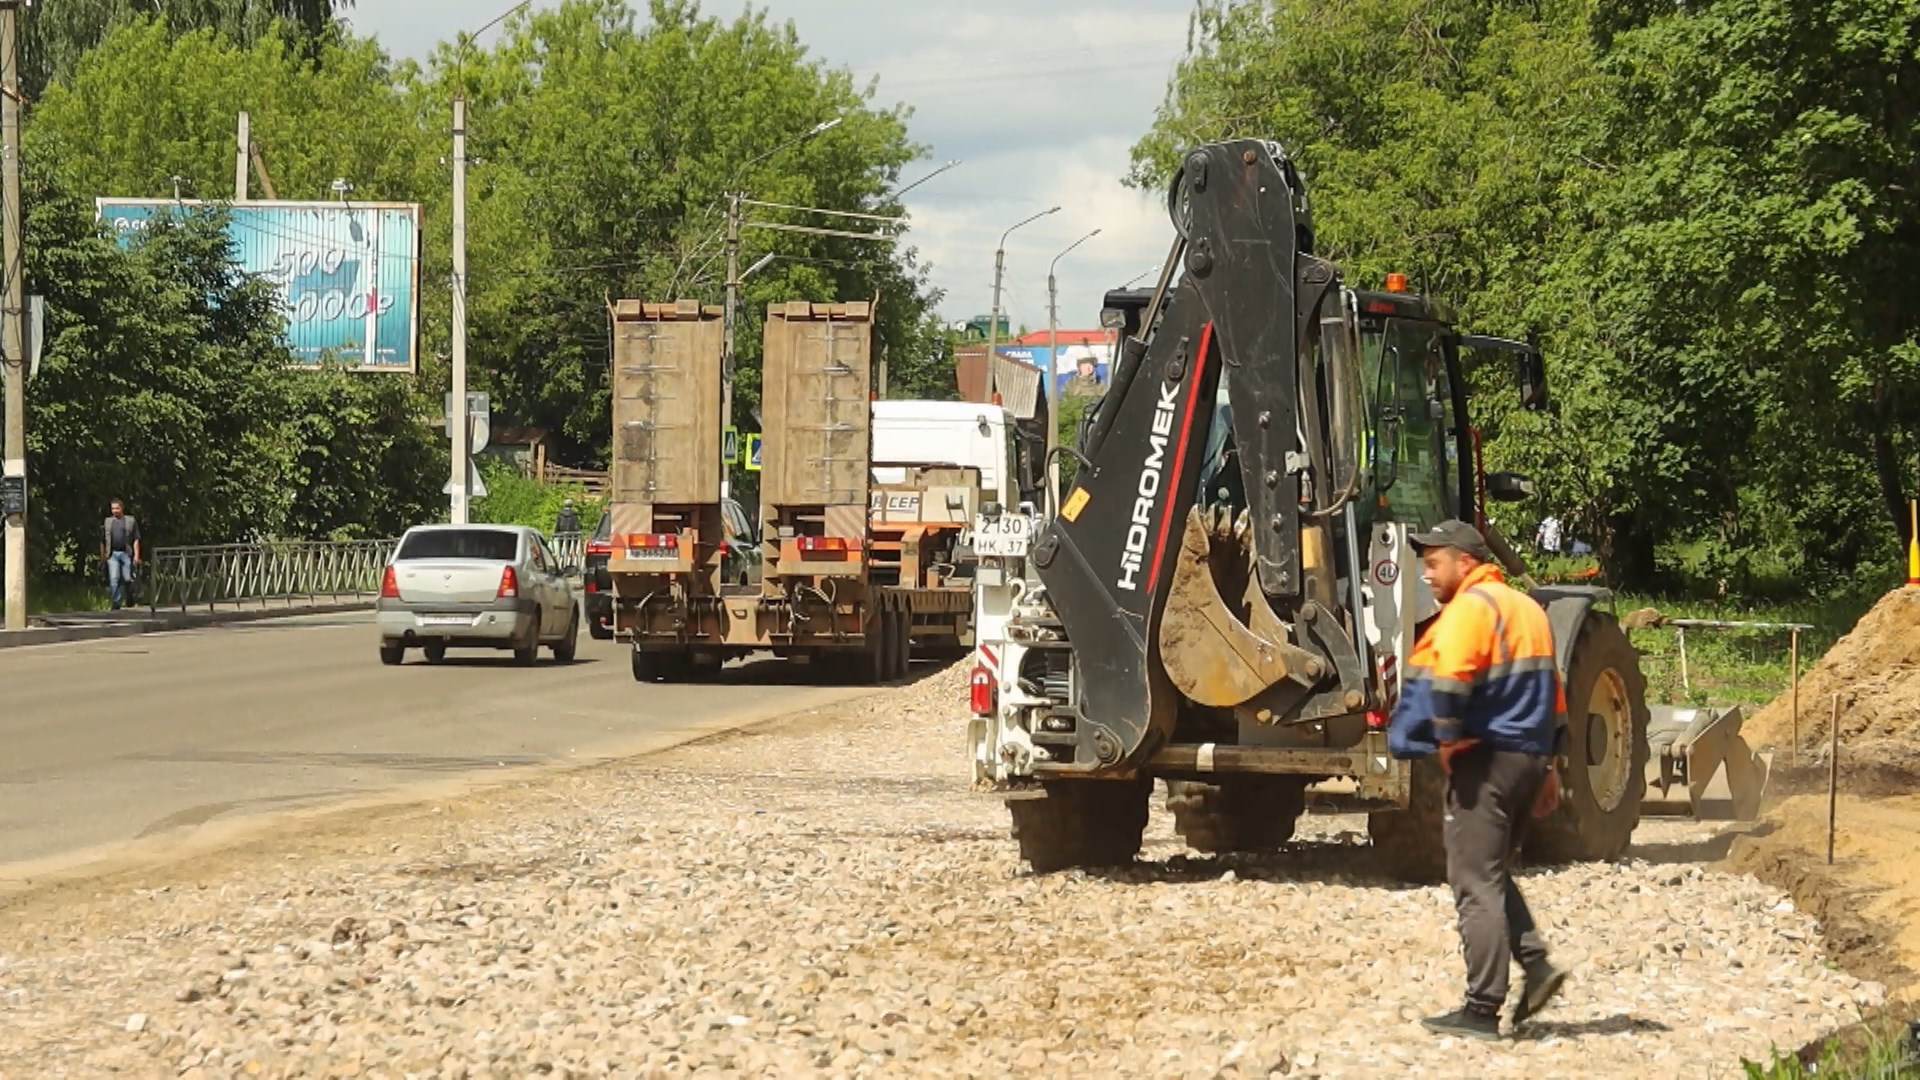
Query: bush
[[513, 499]]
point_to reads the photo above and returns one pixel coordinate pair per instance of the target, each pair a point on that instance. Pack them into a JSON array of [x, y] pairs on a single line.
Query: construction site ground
[[823, 895]]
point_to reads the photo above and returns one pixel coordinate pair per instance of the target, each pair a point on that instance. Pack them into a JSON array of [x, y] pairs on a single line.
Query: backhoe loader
[[1224, 594]]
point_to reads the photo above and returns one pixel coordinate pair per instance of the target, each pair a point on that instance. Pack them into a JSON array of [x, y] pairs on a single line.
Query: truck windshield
[[1413, 448], [486, 545]]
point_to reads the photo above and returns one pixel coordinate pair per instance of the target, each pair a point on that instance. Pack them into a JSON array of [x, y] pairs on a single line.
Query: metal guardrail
[[286, 571], [290, 571], [569, 547]]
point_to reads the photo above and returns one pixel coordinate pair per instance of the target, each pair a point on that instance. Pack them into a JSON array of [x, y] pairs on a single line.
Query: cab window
[[1413, 449]]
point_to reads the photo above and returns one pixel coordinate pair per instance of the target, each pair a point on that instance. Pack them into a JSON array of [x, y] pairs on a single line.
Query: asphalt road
[[155, 736]]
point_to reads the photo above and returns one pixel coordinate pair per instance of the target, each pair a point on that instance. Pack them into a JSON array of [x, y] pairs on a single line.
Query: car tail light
[[390, 586], [509, 585], [980, 691], [593, 586], [1376, 719], [725, 548]]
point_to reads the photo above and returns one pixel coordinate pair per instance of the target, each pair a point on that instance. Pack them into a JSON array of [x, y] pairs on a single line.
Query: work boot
[[1467, 1022], [1538, 987]]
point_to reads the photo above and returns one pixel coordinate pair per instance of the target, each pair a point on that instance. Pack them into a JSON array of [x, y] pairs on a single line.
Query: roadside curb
[[68, 629]]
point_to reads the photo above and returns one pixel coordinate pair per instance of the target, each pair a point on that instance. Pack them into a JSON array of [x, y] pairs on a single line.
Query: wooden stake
[[1833, 772], [1796, 698]]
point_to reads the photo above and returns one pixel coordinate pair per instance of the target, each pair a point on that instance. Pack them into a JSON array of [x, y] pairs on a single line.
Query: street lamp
[[457, 415], [734, 277], [926, 178], [1053, 361], [999, 274]]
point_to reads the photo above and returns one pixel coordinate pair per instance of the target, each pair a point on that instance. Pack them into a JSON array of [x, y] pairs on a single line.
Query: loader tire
[[1081, 823], [1251, 814], [1603, 777], [1409, 844]]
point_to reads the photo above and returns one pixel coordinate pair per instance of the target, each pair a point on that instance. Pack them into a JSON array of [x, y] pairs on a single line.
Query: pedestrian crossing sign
[[753, 452], [730, 446]]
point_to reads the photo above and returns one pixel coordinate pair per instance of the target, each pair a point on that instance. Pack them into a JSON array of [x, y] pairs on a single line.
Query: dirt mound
[[1876, 671]]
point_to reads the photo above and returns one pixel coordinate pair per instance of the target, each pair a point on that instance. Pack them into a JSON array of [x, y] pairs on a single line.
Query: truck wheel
[[903, 645], [1408, 844], [873, 664], [600, 631], [1605, 777], [1253, 813], [1081, 823]]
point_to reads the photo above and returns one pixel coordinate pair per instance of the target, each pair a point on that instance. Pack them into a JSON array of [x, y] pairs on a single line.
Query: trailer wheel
[[1605, 750], [1081, 823], [646, 666], [1408, 844], [1251, 813]]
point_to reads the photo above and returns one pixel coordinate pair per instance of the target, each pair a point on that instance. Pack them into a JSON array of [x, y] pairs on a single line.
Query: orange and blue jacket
[[1483, 670]]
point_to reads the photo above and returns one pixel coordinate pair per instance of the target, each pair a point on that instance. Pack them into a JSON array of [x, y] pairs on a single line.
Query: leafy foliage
[[56, 34], [513, 499], [165, 381], [1694, 208], [604, 147]]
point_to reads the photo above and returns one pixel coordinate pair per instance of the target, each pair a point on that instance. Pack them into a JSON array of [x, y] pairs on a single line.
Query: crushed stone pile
[[1876, 671]]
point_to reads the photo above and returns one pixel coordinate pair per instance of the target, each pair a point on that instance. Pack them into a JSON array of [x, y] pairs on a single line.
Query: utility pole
[[728, 326], [241, 159], [999, 274], [1052, 376], [15, 315], [457, 415]]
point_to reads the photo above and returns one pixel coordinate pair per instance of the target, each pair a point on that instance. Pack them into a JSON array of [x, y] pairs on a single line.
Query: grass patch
[[1876, 1050], [66, 595], [1739, 666]]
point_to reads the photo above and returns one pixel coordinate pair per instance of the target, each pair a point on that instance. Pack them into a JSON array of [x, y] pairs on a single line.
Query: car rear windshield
[[491, 545]]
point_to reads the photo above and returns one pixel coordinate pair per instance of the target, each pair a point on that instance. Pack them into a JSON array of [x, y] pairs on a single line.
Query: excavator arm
[[1130, 561]]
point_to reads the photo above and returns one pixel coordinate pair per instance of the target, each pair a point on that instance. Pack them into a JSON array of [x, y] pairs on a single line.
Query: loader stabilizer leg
[[1108, 558]]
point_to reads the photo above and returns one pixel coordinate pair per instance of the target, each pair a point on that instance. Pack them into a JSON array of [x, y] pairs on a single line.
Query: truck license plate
[[1006, 536], [653, 553]]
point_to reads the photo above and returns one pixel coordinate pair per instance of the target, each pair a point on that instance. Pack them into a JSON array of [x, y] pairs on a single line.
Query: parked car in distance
[[476, 586], [740, 558]]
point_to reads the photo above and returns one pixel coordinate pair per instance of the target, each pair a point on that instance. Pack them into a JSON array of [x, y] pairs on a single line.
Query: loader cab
[[1417, 444], [1419, 447]]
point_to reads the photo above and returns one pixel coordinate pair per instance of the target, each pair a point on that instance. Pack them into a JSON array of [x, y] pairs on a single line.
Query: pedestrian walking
[[1483, 695], [568, 520], [120, 550]]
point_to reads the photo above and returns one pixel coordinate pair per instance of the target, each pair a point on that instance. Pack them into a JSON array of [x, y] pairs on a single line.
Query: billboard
[[1065, 363], [348, 273]]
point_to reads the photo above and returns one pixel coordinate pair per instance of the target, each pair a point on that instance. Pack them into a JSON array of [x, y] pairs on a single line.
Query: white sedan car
[[476, 586]]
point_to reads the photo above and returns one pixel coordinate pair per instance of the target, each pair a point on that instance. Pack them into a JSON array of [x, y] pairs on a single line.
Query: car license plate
[[1006, 536], [654, 553], [446, 620]]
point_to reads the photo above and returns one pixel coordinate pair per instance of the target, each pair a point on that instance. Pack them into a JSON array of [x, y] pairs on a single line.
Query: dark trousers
[[1490, 797]]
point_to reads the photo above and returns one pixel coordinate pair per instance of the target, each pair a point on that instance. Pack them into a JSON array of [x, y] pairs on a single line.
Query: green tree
[[56, 34], [604, 146]]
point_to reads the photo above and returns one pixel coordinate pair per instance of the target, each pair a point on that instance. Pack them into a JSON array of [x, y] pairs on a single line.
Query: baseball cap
[[1453, 533]]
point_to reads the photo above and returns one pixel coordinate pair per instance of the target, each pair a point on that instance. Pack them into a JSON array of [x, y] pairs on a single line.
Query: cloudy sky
[[1039, 99]]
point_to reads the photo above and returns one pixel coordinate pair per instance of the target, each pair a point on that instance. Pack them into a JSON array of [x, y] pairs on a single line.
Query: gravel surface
[[823, 896]]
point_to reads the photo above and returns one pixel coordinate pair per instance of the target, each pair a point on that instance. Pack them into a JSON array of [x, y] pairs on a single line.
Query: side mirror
[[1533, 381], [1509, 487]]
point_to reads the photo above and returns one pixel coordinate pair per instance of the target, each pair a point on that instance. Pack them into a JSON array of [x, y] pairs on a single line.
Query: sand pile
[[1876, 671]]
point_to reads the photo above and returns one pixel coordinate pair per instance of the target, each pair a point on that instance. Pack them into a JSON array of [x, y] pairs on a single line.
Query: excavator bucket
[[1700, 767]]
